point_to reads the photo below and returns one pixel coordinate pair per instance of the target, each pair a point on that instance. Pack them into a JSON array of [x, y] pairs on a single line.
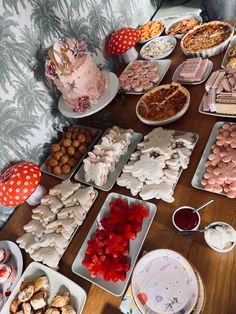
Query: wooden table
[[217, 270]]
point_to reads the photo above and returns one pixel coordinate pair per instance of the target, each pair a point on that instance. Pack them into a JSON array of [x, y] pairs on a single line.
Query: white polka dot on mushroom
[[24, 197], [25, 190], [27, 177], [11, 182], [18, 182], [17, 197]]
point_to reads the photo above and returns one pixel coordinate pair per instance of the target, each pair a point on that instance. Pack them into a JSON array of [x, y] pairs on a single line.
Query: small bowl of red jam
[[184, 218]]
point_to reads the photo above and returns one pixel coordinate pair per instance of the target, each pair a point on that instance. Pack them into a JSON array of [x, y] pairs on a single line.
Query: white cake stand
[[109, 93]]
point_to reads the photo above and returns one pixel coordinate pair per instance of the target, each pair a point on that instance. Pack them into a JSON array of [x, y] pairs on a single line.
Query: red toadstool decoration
[[20, 183], [122, 43]]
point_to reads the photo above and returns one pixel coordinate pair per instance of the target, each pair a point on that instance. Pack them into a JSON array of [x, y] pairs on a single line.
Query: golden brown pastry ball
[[74, 136], [68, 135], [76, 130], [63, 149], [53, 162], [57, 170], [65, 169], [70, 130], [57, 155], [72, 162], [82, 130], [55, 147], [64, 159], [71, 151], [89, 139], [94, 132], [83, 148], [48, 167], [77, 155], [75, 143], [81, 138], [67, 142]]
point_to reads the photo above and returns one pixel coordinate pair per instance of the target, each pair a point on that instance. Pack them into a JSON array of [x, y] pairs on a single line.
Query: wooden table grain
[[217, 270]]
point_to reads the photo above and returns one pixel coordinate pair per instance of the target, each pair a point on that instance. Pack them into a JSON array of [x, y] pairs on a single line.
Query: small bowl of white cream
[[220, 236]]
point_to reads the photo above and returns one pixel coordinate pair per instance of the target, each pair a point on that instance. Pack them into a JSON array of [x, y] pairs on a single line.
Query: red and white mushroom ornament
[[20, 183], [122, 43]]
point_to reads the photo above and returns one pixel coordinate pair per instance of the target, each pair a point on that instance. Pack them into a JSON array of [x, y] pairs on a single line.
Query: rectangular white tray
[[116, 288], [205, 76], [162, 68], [79, 176], [198, 175], [70, 174], [58, 284], [226, 58], [200, 109]]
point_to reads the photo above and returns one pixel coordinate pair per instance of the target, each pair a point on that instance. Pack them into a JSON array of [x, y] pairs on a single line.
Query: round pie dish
[[171, 114], [196, 17], [210, 30]]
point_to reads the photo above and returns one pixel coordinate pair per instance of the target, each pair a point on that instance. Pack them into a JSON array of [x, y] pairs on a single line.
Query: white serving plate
[[159, 40], [156, 36], [202, 295], [171, 275], [116, 288], [58, 284], [200, 109], [162, 68], [226, 58], [79, 176], [205, 76], [166, 121], [187, 16], [63, 176], [210, 52], [198, 175], [109, 93], [15, 260]]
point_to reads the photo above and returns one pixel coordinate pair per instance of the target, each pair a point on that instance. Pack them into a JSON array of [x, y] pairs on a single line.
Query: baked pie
[[206, 36], [163, 102]]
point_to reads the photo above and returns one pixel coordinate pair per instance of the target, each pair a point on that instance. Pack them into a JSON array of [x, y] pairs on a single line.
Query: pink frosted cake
[[75, 74]]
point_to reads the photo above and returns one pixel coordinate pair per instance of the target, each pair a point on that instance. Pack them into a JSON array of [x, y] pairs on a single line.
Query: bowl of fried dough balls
[[70, 150]]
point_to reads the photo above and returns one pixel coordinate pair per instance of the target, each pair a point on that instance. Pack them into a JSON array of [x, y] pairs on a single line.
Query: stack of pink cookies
[[220, 175], [192, 70]]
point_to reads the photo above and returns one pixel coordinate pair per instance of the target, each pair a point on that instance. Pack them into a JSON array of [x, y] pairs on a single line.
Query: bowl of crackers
[[150, 30]]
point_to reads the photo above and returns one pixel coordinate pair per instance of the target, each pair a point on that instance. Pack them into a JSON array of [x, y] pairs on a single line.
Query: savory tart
[[206, 36], [163, 102]]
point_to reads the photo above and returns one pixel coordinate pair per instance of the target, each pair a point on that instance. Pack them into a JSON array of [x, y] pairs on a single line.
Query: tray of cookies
[[55, 222], [70, 149]]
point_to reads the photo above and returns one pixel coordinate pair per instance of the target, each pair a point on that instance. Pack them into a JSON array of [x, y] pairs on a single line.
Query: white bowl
[[213, 247], [165, 121], [206, 53], [188, 207], [159, 34], [174, 22], [159, 39]]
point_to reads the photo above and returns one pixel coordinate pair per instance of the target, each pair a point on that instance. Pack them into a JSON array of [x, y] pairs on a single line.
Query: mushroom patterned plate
[[163, 281], [15, 260], [109, 93], [57, 284], [142, 75]]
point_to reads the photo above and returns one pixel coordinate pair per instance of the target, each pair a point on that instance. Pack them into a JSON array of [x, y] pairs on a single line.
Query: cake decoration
[[75, 74]]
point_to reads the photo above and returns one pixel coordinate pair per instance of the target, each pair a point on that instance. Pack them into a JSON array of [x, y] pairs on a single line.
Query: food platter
[[116, 288], [63, 176], [162, 68], [226, 56], [215, 114], [16, 259], [57, 282], [172, 275], [205, 76], [109, 93], [161, 121], [79, 176], [158, 41], [144, 41], [198, 175]]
